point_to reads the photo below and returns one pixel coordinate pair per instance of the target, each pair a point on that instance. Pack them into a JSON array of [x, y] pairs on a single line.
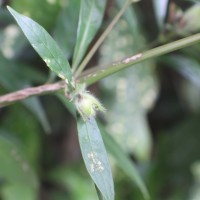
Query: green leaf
[[18, 192], [95, 156], [66, 27], [123, 161], [90, 18], [15, 77], [44, 12], [45, 46], [69, 105], [16, 172], [27, 131], [160, 8], [189, 18], [187, 66], [71, 176]]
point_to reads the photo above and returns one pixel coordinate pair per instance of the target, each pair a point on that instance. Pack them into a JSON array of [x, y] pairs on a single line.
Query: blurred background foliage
[[153, 109]]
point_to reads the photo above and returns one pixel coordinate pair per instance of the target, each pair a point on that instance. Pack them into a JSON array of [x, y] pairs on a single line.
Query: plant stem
[[102, 38], [97, 73], [29, 92]]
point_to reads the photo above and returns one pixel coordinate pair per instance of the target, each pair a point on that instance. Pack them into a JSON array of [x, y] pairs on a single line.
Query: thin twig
[[95, 74], [102, 38], [29, 92]]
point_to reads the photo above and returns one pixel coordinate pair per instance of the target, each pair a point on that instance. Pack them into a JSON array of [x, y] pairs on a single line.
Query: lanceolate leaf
[[45, 46], [95, 157], [123, 161], [90, 18]]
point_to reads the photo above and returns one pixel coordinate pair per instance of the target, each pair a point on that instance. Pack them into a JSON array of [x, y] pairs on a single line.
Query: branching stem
[[95, 74], [102, 38]]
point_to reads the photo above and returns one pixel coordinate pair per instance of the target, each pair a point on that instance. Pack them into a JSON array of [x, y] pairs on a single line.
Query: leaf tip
[[9, 8]]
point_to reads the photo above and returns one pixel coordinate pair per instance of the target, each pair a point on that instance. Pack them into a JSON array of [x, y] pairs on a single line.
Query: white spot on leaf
[[95, 163]]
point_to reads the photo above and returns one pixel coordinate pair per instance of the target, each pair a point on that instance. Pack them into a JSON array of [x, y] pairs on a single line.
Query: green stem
[[97, 73], [102, 38]]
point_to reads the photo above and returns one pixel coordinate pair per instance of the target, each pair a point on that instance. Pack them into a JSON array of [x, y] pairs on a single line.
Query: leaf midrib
[[31, 28]]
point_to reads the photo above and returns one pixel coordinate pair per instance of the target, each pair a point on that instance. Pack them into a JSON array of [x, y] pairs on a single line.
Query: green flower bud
[[87, 105]]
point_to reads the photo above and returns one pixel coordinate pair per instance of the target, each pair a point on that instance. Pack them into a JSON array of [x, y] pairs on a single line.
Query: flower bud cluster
[[86, 104]]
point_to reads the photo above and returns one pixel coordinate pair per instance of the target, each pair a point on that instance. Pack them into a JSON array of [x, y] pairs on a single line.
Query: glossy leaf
[[123, 161], [43, 43], [95, 156], [90, 18]]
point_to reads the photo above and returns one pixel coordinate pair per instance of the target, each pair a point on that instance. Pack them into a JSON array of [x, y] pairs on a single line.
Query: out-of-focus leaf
[[95, 156], [18, 192], [43, 43], [195, 192], [189, 95], [16, 172], [160, 8], [178, 148], [13, 77], [135, 89], [187, 66], [123, 161], [66, 27], [44, 12], [188, 89], [12, 41], [68, 104], [90, 18], [189, 20], [35, 106], [25, 128], [70, 177]]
